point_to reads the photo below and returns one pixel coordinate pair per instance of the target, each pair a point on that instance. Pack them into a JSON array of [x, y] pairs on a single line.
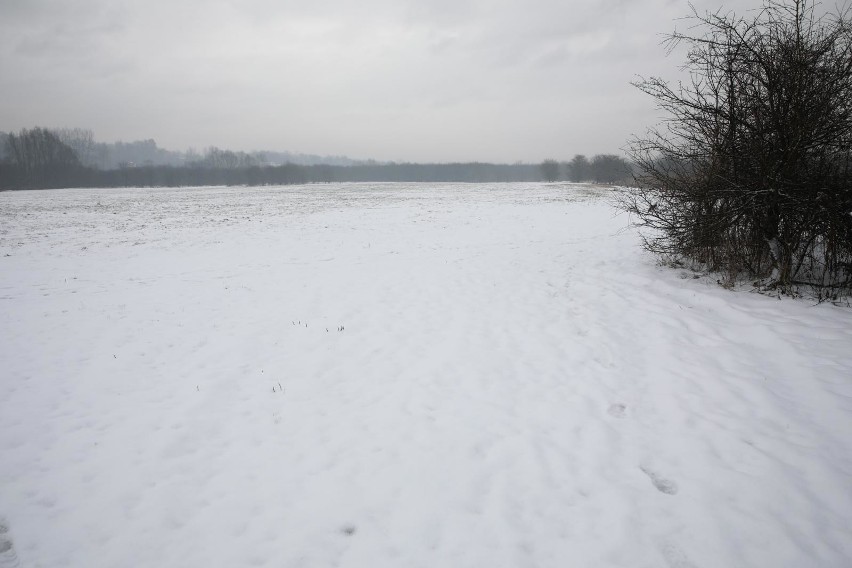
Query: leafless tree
[[579, 168], [39, 158], [550, 170], [82, 141], [609, 168]]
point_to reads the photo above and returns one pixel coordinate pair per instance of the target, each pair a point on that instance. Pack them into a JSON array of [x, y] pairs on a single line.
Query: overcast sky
[[431, 80]]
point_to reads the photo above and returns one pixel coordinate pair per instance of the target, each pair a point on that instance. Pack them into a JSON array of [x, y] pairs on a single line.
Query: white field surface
[[515, 383]]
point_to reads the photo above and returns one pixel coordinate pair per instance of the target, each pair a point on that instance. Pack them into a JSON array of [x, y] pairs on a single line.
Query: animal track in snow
[[662, 484]]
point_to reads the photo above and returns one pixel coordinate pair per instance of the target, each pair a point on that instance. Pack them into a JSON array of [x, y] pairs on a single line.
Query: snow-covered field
[[402, 375]]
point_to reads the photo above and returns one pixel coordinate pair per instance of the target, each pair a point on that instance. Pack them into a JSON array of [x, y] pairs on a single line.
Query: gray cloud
[[502, 80]]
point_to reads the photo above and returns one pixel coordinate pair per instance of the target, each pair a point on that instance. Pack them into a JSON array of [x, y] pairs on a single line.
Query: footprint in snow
[[8, 556], [675, 557], [662, 484], [617, 410]]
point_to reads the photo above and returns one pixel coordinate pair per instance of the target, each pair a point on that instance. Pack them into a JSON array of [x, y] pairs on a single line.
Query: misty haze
[[425, 283]]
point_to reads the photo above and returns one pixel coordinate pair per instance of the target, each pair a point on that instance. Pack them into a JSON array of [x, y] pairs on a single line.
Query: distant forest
[[41, 158]]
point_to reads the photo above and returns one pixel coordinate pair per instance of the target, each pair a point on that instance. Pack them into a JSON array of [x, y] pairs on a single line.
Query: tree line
[[41, 158], [602, 168]]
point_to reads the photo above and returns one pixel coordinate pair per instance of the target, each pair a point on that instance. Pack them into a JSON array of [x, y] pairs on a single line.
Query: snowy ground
[[402, 376]]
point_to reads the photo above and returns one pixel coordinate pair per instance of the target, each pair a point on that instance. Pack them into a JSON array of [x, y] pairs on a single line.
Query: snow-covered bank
[[402, 375]]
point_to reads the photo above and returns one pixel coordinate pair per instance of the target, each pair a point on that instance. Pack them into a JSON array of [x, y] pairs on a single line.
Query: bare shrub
[[751, 174]]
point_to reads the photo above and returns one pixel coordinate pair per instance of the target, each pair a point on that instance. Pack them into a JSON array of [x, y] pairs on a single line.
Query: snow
[[410, 375]]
